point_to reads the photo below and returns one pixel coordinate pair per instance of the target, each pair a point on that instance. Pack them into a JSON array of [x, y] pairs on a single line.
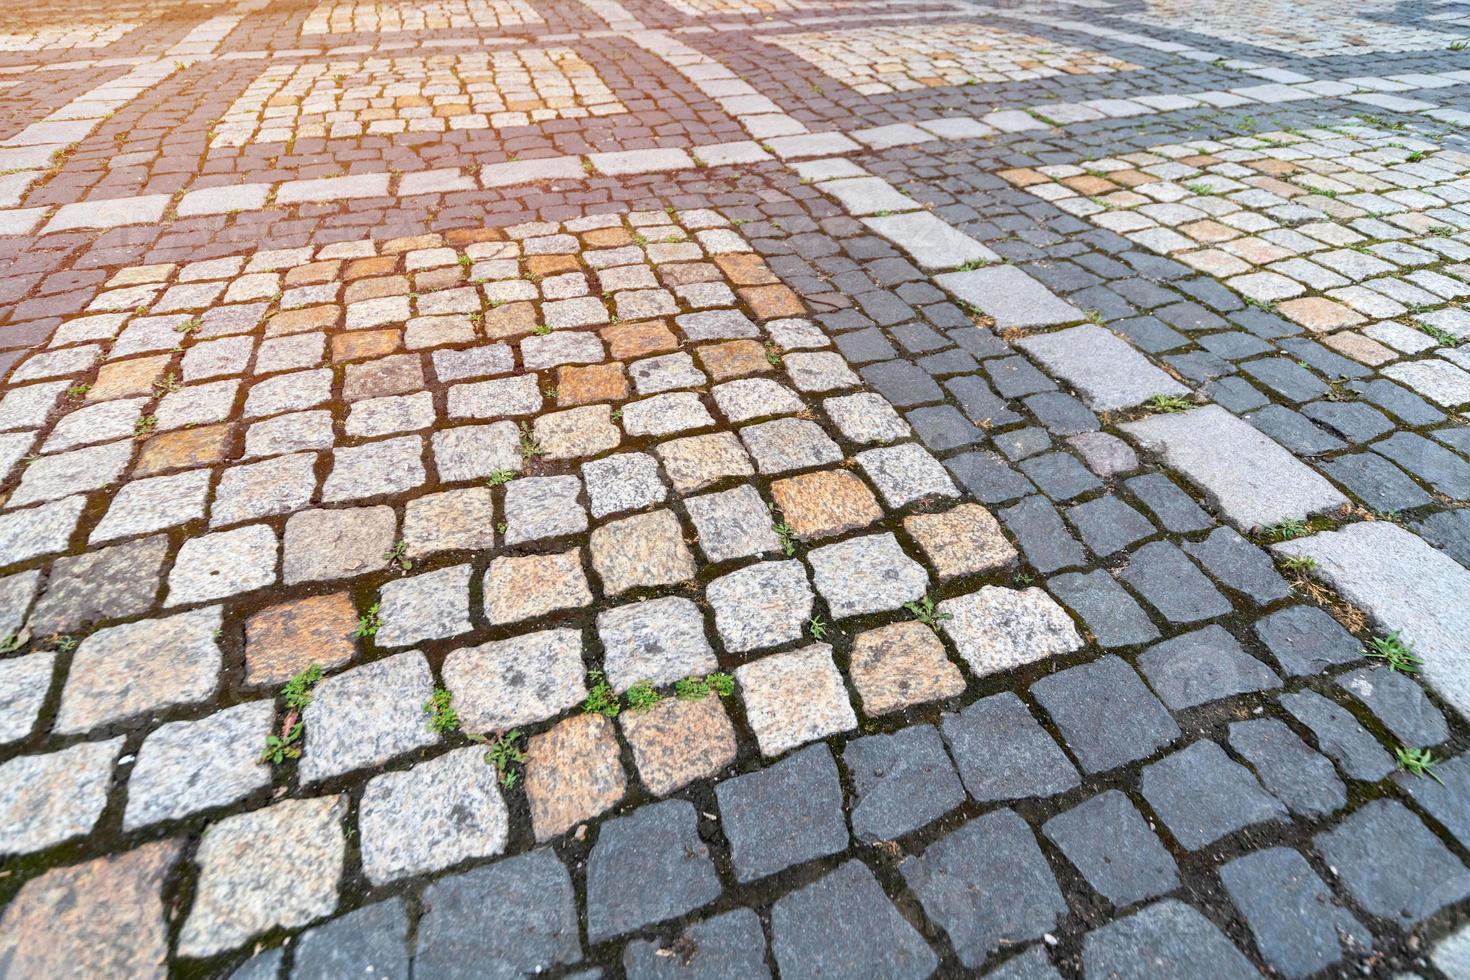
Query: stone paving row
[[770, 537]]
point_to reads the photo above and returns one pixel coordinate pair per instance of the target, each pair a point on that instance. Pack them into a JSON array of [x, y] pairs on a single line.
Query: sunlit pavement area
[[735, 488]]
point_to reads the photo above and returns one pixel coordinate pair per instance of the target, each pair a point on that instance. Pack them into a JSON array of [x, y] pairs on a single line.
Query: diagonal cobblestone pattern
[[704, 488]]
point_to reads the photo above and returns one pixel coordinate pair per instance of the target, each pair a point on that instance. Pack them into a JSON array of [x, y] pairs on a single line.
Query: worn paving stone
[[1110, 614], [115, 582], [1167, 938], [247, 885], [431, 816], [1202, 796], [528, 587], [49, 798], [105, 917], [223, 564], [894, 667], [285, 639], [1239, 565], [572, 774], [657, 640], [1205, 665], [1405, 585], [543, 507], [784, 815], [372, 940], [1253, 481], [187, 766], [987, 885], [1290, 771], [1444, 799], [366, 715], [24, 683], [1305, 640], [902, 782], [826, 503], [514, 917], [1399, 703], [519, 681], [1105, 369], [430, 606], [965, 540], [658, 842], [1109, 842], [122, 671], [843, 926], [1172, 584], [1297, 924], [640, 551], [1003, 753], [1391, 864], [1105, 713], [1339, 735], [338, 543], [761, 605], [678, 741], [866, 575], [794, 698], [998, 629], [727, 945]]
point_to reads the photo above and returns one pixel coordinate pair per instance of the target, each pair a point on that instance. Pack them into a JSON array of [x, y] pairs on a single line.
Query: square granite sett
[[786, 814]]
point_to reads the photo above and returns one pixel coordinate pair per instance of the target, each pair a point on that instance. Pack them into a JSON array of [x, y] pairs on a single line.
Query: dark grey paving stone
[[1306, 640], [1237, 564], [1030, 965], [1449, 531], [658, 842], [1267, 326], [1149, 333], [902, 383], [1233, 345], [372, 941], [1287, 378], [1189, 316], [987, 477], [1110, 613], [1105, 713], [949, 362], [783, 815], [1015, 377], [1062, 414], [1205, 665], [1043, 538], [262, 966], [981, 343], [942, 428], [1060, 476], [1379, 484], [1392, 865], [1446, 472], [1295, 431], [1399, 703], [1446, 799], [987, 885], [1235, 394], [1110, 844], [844, 927], [918, 338], [1289, 769], [728, 945], [1339, 736], [1456, 438], [507, 919], [1202, 796], [862, 346], [1108, 525], [1166, 939], [902, 782], [1172, 584], [1198, 366], [1003, 753], [1020, 443], [114, 582], [1322, 360], [1354, 421], [1398, 401], [980, 404], [1174, 508], [1297, 923]]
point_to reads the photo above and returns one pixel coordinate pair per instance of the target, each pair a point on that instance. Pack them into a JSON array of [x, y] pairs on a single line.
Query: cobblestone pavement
[[731, 488]]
